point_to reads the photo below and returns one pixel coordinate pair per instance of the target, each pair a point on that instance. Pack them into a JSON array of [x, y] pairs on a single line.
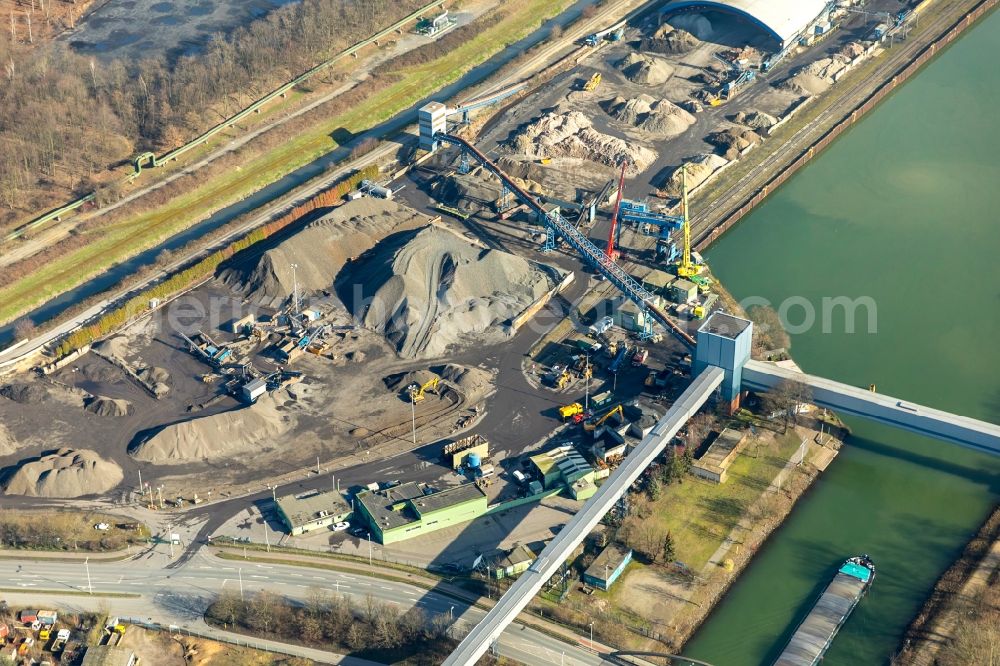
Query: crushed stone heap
[[571, 134], [65, 473], [320, 250], [244, 431], [429, 289]]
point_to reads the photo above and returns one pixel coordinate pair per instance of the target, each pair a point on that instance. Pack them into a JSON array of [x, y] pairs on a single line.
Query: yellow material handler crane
[[686, 268], [592, 82], [594, 425]]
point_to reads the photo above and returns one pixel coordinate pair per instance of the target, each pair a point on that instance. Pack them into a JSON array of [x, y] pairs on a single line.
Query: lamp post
[[451, 613], [592, 637], [369, 549], [240, 571]]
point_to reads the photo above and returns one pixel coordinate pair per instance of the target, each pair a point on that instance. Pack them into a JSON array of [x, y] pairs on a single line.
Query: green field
[[112, 244], [700, 514]]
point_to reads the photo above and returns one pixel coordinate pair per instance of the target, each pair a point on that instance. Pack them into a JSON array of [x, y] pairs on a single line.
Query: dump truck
[[569, 411]]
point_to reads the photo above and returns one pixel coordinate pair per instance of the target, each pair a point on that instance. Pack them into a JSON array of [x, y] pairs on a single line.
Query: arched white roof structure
[[783, 19]]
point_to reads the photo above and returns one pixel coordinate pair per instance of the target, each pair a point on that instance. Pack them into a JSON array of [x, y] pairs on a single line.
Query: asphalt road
[[173, 593]]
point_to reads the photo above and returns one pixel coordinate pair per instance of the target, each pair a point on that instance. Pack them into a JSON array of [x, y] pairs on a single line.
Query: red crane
[[611, 252]]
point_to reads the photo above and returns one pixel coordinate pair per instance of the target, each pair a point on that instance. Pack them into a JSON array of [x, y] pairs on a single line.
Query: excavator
[[416, 391], [590, 426]]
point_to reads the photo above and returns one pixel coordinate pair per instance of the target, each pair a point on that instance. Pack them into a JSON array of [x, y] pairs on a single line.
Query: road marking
[[256, 576]]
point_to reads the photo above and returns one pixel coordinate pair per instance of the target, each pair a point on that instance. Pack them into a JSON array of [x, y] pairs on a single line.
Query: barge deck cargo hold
[[813, 637]]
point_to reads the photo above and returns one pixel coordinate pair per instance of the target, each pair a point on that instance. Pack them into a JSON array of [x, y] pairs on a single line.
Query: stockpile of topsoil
[[65, 473], [426, 290], [321, 249], [103, 406], [236, 433]]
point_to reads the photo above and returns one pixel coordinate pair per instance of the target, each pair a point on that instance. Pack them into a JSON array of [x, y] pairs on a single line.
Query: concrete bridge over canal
[[722, 367]]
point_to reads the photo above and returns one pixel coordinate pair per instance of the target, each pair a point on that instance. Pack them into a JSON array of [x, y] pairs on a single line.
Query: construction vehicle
[[563, 379], [590, 426], [548, 160], [592, 82], [639, 358], [698, 312], [686, 268], [614, 34], [44, 633], [612, 349], [619, 362], [416, 391], [567, 412], [610, 251]]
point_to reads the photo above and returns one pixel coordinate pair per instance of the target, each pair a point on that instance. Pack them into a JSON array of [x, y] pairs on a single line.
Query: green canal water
[[905, 209]]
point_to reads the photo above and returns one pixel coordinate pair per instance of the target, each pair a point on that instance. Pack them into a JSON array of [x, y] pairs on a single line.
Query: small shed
[[608, 566], [516, 561], [630, 317], [683, 291], [658, 282]]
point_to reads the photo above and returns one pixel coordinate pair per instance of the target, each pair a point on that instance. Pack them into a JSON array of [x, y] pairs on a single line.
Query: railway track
[[401, 431], [747, 186]]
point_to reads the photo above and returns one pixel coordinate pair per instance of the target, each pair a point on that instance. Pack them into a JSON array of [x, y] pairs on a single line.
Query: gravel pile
[[65, 473], [321, 249], [430, 289], [571, 134], [755, 119], [645, 70], [827, 68], [733, 141], [660, 117], [698, 170], [236, 433], [25, 394], [806, 84], [7, 442], [670, 40], [103, 406]]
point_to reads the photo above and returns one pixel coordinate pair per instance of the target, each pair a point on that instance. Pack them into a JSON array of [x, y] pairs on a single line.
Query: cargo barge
[[814, 635]]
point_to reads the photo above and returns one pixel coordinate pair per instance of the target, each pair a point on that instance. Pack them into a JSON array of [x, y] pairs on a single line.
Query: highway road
[[268, 203], [172, 593]]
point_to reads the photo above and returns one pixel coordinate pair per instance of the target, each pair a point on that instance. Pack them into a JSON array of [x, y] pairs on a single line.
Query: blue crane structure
[[495, 97], [558, 227]]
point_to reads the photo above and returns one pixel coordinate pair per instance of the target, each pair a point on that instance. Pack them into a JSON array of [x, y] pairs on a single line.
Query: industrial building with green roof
[[406, 511]]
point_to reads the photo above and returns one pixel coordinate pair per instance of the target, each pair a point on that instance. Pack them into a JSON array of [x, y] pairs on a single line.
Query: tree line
[[65, 118], [138, 304], [368, 627]]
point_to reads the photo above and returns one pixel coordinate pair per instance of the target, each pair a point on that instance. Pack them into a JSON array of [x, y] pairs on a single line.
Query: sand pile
[[645, 70], [431, 289], [732, 141], [826, 68], [103, 406], [755, 119], [65, 473], [237, 433], [852, 50], [115, 346], [25, 394], [670, 40], [571, 134], [696, 24], [157, 378], [7, 442], [474, 383], [805, 84], [667, 119], [661, 117], [698, 170], [321, 249]]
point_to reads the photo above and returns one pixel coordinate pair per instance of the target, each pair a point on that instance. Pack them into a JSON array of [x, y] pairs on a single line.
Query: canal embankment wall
[[853, 116]]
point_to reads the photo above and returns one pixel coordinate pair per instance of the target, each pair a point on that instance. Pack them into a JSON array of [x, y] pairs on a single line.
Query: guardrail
[[149, 159]]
